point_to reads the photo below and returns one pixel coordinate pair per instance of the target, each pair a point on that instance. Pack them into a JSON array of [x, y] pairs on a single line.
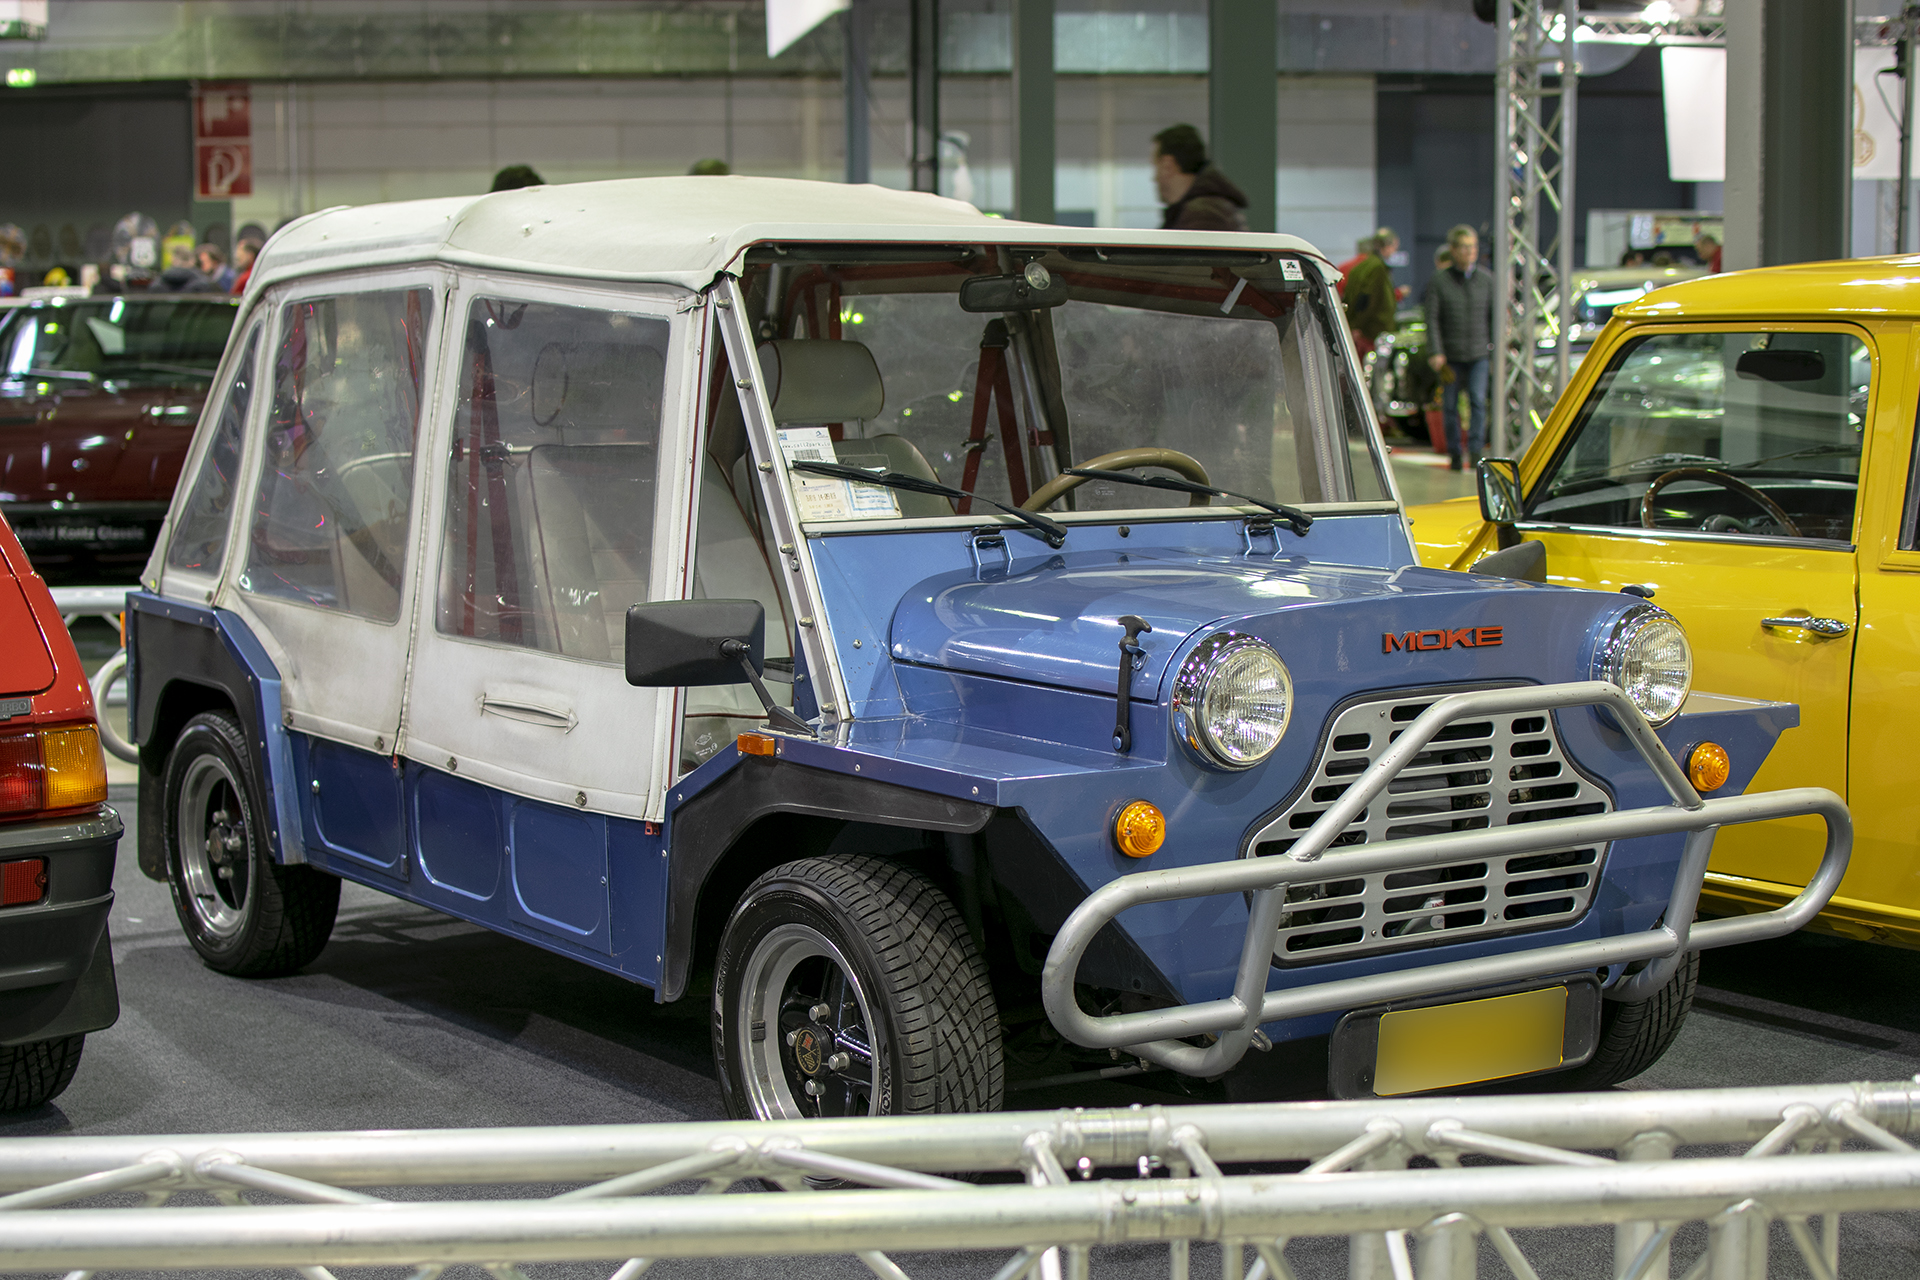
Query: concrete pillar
[[1033, 110], [857, 74], [1243, 100], [923, 93], [1789, 123]]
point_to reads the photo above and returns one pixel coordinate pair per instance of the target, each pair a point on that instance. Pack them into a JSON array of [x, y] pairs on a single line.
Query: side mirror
[[694, 642], [1499, 490]]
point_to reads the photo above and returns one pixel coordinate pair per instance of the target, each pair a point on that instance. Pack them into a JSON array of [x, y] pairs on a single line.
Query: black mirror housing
[[1030, 290], [1780, 365], [694, 642], [1499, 490]]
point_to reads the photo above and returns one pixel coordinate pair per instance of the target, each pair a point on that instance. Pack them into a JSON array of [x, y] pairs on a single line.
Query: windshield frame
[[1344, 400]]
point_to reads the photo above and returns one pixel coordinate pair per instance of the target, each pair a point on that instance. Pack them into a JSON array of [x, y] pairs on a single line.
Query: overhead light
[[1659, 11], [21, 77]]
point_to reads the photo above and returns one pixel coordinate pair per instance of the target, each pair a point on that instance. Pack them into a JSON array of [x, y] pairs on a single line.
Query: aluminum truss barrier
[[1546, 1161], [1155, 1035], [107, 604], [1533, 181]]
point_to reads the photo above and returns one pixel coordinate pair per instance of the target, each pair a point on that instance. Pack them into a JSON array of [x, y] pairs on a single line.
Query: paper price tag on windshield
[[821, 498]]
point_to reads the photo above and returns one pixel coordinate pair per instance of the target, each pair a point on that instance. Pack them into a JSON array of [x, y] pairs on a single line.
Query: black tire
[[244, 914], [34, 1074], [1633, 1036], [884, 953]]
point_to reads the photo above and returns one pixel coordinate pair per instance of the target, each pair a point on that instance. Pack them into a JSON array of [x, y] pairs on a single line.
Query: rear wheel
[[1633, 1036], [244, 914], [849, 986], [32, 1075]]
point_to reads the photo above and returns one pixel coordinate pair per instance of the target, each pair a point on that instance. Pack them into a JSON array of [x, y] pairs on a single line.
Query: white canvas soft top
[[682, 231]]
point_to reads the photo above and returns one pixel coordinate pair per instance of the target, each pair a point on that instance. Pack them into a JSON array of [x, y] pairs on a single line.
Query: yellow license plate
[[1446, 1045]]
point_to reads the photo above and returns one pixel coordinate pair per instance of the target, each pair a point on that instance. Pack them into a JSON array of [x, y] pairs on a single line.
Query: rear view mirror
[[694, 642], [1781, 366], [1028, 290], [1499, 490]]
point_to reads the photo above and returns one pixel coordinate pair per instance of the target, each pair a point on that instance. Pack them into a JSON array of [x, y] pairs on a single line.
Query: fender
[[706, 827], [171, 642]]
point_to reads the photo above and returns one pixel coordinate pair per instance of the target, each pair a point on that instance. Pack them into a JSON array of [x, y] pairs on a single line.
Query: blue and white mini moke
[[955, 646]]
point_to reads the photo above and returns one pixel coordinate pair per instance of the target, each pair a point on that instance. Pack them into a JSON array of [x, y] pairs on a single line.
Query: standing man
[[1459, 307], [1369, 293], [1198, 196]]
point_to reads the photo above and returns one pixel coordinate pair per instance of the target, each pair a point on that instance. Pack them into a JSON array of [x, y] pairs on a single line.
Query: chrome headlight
[[1231, 701], [1648, 656]]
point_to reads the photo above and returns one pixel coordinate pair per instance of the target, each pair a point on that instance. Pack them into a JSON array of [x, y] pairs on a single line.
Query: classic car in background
[[1741, 449], [98, 401]]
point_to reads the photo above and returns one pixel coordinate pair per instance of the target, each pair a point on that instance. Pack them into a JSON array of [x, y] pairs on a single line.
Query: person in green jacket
[[1369, 292]]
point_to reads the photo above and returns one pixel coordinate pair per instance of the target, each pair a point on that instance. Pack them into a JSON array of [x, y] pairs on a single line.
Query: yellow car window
[[1736, 432]]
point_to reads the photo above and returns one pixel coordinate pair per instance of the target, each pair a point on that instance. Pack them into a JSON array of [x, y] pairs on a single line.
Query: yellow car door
[[1715, 468]]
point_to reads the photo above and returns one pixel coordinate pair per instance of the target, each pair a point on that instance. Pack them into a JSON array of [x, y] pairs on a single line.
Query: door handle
[[1827, 628]]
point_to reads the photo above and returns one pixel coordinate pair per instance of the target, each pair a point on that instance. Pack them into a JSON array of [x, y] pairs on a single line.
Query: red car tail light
[[51, 769], [23, 881]]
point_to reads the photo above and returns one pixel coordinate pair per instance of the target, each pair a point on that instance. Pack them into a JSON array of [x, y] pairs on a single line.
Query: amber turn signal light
[[1140, 830], [1708, 767], [755, 744]]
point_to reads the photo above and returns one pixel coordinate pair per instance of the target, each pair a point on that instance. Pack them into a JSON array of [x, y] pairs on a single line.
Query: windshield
[[1219, 369], [1742, 432], [118, 337]]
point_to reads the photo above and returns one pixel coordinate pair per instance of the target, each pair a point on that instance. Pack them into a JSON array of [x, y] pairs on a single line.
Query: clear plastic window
[[331, 516], [199, 539], [550, 490], [1738, 432]]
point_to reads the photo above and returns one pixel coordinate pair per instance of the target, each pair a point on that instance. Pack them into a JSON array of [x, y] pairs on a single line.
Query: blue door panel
[[559, 862], [458, 837], [356, 805]]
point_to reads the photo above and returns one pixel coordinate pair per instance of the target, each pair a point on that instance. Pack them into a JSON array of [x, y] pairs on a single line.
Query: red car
[[98, 401], [57, 843]]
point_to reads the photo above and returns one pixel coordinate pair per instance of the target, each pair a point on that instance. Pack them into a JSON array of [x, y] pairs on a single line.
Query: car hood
[[1059, 623]]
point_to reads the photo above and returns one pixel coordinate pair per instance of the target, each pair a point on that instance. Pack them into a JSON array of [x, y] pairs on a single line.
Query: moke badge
[[1425, 641], [806, 1051]]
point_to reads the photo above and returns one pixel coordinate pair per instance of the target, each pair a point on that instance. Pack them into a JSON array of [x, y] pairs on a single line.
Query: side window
[[1734, 432], [550, 490], [331, 515], [199, 540]]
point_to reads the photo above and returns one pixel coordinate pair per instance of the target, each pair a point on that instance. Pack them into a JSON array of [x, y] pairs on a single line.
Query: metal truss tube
[[1610, 1121], [1155, 1035], [991, 1217]]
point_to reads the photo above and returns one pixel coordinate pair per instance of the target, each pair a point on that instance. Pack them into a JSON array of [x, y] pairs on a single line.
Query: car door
[[559, 499], [327, 568], [1716, 468]]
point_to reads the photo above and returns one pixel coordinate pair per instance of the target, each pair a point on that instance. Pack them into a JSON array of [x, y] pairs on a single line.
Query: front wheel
[[850, 986], [244, 913], [1633, 1036]]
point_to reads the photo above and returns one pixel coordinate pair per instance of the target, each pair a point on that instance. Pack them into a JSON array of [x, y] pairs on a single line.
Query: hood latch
[[1132, 658]]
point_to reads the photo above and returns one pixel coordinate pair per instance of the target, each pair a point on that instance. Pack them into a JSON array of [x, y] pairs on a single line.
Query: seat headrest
[[821, 380]]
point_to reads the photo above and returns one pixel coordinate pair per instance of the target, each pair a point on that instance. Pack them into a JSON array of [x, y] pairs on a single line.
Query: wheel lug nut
[[813, 1088], [819, 1011], [792, 1037], [838, 1062]]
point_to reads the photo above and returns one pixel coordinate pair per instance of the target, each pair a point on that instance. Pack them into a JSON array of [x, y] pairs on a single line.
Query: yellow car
[[1741, 448]]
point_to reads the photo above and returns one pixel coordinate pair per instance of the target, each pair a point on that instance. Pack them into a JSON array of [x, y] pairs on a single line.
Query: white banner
[[1694, 80], [788, 20]]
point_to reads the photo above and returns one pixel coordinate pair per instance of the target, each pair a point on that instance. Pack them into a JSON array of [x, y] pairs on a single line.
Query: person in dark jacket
[[1459, 307], [1198, 196]]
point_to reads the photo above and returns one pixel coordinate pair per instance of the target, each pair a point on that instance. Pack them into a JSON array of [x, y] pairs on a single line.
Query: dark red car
[[57, 843], [98, 401]]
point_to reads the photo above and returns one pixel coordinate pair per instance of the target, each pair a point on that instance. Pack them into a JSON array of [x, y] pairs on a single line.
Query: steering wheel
[[1188, 468], [1725, 481]]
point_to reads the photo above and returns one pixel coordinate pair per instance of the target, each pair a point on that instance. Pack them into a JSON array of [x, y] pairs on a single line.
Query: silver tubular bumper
[[1156, 1035]]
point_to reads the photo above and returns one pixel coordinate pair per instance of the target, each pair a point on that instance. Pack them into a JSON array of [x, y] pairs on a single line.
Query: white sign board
[[788, 20], [1695, 85]]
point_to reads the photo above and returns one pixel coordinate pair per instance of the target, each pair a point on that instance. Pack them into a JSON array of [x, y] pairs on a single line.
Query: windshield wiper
[[1055, 534], [1667, 460], [1299, 519], [1815, 451], [76, 375]]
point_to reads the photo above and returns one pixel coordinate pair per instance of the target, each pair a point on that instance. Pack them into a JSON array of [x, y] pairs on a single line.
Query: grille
[[1474, 775]]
